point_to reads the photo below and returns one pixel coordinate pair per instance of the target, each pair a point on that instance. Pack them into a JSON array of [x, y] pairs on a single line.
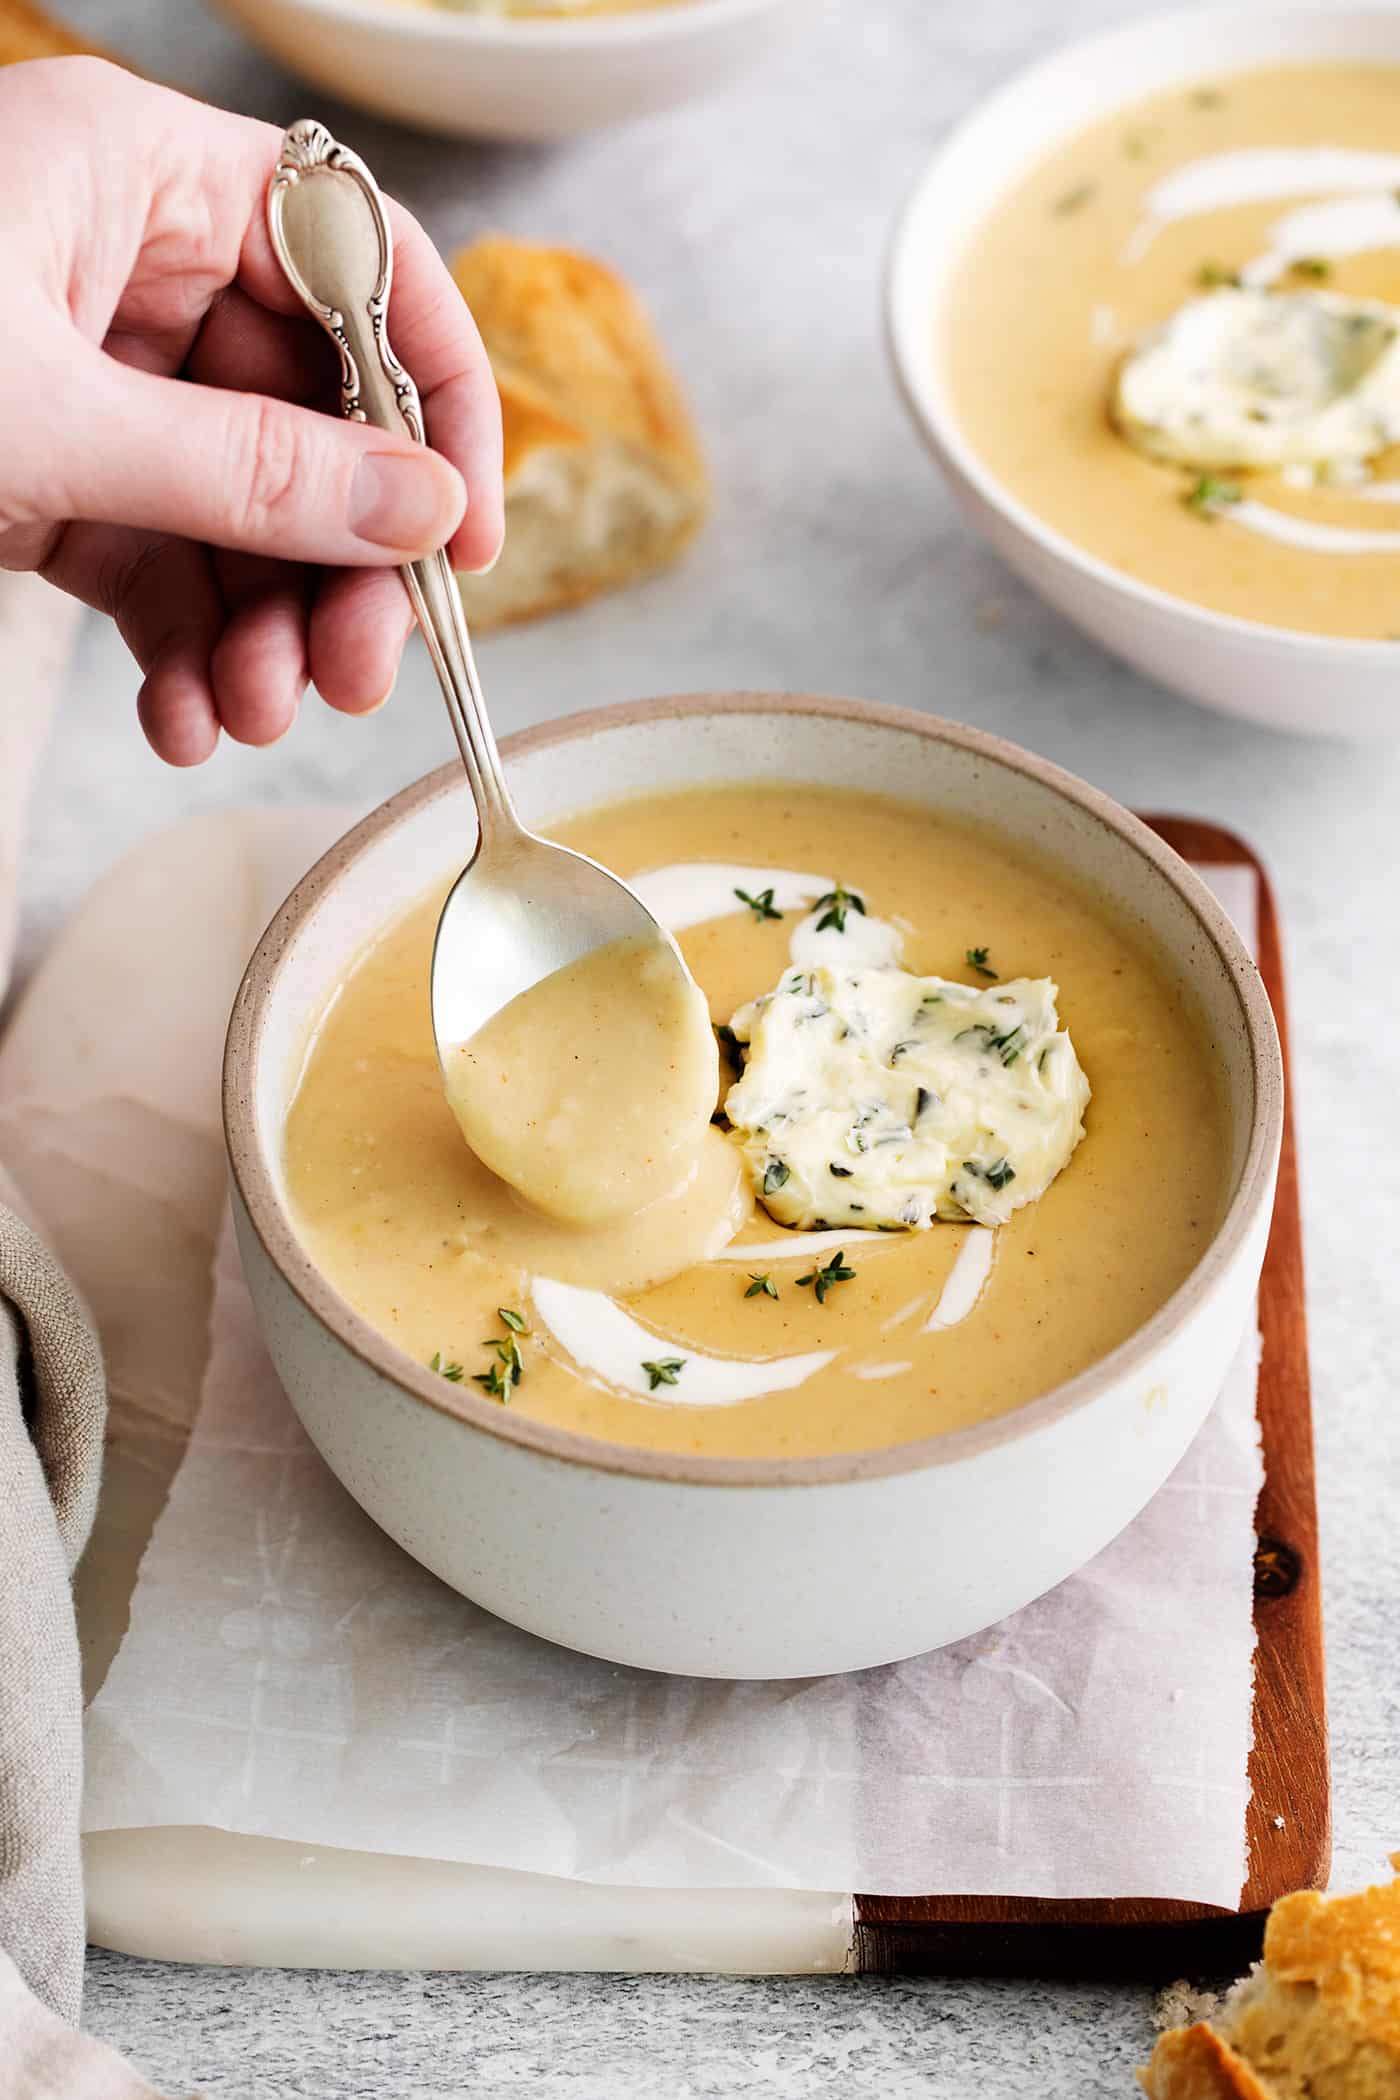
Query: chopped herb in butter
[[875, 1098]]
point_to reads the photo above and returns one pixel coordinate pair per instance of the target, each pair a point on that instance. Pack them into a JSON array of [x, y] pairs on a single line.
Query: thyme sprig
[[827, 1275], [978, 959], [453, 1373], [665, 1372], [505, 1374], [834, 907], [762, 906], [761, 1284]]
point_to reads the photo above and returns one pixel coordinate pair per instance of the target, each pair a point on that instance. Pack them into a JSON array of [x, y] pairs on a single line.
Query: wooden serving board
[[1137, 1936]]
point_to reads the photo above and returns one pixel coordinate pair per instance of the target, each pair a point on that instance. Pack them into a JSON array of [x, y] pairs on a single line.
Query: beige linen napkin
[[52, 1414], [52, 1408]]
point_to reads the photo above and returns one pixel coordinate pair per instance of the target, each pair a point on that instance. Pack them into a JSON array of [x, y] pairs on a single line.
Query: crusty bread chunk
[[604, 478], [27, 32], [1318, 2019]]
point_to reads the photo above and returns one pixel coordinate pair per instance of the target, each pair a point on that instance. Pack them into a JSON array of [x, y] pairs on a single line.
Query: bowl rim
[[915, 365], [273, 1227], [649, 25]]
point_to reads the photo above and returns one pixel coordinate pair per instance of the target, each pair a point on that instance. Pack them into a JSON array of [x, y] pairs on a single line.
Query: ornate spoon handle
[[330, 232]]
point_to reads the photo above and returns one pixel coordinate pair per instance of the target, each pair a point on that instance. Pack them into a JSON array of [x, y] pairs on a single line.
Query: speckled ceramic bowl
[[1322, 685], [753, 1567]]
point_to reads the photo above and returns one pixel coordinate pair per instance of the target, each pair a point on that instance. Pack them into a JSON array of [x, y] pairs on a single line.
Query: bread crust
[[1194, 2063], [581, 374], [1320, 2016], [27, 32]]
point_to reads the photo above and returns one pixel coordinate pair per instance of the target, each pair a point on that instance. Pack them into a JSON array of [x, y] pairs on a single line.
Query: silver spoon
[[522, 908]]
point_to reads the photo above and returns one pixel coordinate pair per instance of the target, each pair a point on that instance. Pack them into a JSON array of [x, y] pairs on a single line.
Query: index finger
[[438, 344]]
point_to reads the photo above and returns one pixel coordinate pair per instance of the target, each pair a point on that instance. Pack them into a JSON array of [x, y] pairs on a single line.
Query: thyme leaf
[[827, 1275], [1209, 494], [1073, 199], [762, 906], [515, 1321], [451, 1372], [761, 1284], [774, 1175], [977, 957], [834, 907]]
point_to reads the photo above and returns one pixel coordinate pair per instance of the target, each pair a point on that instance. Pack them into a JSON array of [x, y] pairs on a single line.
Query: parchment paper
[[289, 1672]]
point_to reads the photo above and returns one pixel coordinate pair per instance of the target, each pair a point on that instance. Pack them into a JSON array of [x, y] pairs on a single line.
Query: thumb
[[249, 472]]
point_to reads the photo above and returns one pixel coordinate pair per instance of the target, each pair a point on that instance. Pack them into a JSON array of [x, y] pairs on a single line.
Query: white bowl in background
[[745, 1567], [484, 77], [1319, 684]]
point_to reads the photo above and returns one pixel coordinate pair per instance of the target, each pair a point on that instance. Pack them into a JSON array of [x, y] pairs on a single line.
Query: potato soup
[[704, 1324]]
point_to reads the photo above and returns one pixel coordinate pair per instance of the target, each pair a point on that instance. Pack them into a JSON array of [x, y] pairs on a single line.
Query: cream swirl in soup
[[701, 1323]]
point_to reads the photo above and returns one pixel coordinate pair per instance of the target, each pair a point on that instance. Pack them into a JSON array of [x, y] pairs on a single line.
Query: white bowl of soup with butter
[[907, 1330], [1145, 307], [515, 69]]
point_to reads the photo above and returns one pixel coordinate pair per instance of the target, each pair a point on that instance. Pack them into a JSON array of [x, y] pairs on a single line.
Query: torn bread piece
[[604, 478], [1317, 2019]]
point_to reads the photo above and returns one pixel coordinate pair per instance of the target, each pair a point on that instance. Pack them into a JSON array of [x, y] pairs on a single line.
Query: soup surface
[[1286, 177], [700, 1326]]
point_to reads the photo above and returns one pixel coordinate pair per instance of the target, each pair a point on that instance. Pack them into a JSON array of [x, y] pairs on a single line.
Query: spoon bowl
[[523, 911]]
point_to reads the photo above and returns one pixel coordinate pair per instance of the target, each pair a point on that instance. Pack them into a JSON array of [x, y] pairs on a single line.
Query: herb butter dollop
[[1252, 378], [875, 1098]]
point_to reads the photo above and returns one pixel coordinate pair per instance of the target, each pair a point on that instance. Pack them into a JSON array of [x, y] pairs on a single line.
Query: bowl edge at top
[[270, 1222]]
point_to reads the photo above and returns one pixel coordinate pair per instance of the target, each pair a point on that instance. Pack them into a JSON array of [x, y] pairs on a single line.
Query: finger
[[170, 614], [437, 342], [169, 611], [243, 346], [259, 666], [238, 470], [359, 624]]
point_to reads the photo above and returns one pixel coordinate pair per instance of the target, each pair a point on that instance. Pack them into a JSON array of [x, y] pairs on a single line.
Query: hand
[[164, 453]]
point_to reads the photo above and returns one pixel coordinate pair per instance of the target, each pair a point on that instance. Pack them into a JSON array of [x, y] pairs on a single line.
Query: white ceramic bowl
[[472, 76], [1314, 683], [763, 1567]]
